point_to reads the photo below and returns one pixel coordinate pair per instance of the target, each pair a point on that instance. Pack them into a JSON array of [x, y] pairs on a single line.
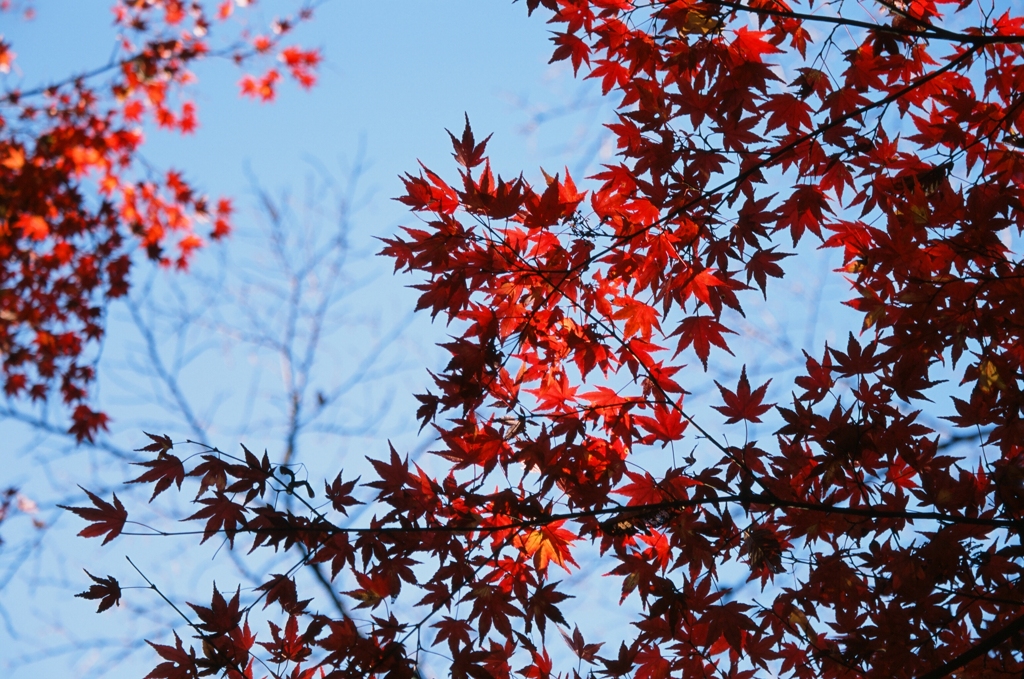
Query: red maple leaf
[[644, 490], [743, 404], [105, 518], [220, 513], [164, 470], [571, 47], [763, 264], [750, 45], [107, 590], [281, 589], [584, 651], [455, 632], [468, 153], [701, 332], [181, 664], [542, 607], [221, 616], [340, 494], [640, 318]]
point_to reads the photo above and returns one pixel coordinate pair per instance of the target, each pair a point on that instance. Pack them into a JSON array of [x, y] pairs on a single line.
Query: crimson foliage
[[889, 130]]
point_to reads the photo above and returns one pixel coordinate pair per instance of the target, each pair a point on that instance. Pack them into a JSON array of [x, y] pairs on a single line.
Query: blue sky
[[396, 73]]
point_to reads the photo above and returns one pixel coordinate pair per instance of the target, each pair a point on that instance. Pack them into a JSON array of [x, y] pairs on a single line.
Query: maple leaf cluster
[[76, 203], [872, 547]]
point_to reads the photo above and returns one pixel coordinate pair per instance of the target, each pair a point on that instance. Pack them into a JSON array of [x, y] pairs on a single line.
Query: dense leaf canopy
[[747, 133]]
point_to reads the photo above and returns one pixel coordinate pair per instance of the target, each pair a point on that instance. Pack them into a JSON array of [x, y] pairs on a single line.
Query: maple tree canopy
[[747, 132]]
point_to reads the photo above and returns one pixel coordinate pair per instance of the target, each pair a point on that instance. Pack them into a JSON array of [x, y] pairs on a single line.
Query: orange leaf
[[15, 159], [33, 226], [549, 544]]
